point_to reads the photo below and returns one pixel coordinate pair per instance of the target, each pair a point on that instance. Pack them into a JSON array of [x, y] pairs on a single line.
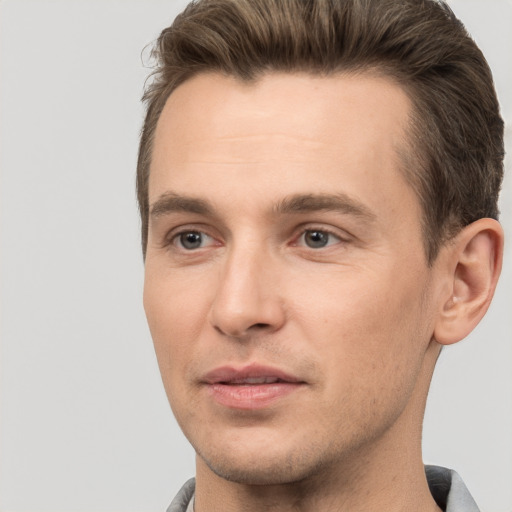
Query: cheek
[[176, 312], [375, 359], [176, 315], [369, 331]]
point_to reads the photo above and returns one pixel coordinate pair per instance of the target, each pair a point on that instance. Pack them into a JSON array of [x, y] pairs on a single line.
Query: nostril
[[260, 326]]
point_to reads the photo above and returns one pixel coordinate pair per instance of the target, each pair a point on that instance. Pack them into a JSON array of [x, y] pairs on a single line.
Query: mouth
[[251, 387], [250, 381]]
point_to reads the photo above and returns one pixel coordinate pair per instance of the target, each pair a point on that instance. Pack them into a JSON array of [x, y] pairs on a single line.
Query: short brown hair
[[455, 159]]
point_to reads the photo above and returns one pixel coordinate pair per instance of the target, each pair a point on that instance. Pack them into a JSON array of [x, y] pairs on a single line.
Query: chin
[[263, 474], [260, 468]]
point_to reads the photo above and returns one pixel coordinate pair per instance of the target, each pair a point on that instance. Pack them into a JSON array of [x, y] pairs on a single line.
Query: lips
[[250, 387], [254, 380], [251, 374]]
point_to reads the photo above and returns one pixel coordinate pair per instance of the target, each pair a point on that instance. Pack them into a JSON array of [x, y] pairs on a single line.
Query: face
[[286, 288]]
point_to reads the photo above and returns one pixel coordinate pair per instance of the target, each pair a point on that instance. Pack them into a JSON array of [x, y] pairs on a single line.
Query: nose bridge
[[247, 295]]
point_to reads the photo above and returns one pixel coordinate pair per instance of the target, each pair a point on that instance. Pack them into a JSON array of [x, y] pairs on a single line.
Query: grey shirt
[[446, 487]]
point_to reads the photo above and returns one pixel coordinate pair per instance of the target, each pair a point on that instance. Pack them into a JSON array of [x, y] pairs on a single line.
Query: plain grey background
[[84, 421]]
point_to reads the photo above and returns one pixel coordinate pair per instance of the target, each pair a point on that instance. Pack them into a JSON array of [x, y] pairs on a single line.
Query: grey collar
[[446, 486]]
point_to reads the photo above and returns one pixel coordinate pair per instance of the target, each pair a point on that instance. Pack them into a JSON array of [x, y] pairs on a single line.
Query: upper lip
[[231, 374]]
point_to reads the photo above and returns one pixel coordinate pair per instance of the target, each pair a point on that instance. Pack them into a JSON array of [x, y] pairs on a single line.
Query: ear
[[474, 259]]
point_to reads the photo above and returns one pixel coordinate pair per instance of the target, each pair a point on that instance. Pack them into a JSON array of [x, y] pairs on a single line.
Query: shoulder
[[449, 490], [184, 497]]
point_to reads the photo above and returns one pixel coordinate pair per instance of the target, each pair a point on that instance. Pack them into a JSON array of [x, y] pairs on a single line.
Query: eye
[[318, 239], [191, 240]]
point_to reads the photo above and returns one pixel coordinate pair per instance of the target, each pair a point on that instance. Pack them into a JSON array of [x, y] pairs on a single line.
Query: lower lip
[[251, 396]]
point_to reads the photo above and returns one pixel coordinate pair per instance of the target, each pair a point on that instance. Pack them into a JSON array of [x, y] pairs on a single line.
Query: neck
[[387, 474]]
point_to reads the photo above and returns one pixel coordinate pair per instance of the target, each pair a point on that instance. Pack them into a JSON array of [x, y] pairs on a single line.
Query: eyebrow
[[340, 202], [171, 202]]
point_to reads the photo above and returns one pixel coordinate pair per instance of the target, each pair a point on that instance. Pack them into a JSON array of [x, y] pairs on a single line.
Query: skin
[[354, 321]]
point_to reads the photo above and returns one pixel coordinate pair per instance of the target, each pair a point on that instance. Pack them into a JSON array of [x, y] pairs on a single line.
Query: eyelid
[[169, 239], [206, 240], [341, 235], [173, 235]]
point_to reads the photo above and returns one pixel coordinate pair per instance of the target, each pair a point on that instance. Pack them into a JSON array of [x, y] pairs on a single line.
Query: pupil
[[191, 240], [316, 239]]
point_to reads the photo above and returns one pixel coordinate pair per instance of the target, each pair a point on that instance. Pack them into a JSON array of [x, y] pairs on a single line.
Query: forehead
[[213, 106], [282, 134]]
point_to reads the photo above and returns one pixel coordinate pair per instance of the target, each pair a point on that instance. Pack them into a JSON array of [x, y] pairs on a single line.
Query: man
[[318, 184]]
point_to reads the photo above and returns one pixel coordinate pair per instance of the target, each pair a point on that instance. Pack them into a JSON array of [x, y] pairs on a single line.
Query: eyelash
[[330, 234], [174, 239]]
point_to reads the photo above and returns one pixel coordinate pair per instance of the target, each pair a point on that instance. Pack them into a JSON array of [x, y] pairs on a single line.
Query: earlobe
[[475, 257]]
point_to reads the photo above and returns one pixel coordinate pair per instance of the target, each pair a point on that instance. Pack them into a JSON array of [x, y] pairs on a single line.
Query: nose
[[248, 297]]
